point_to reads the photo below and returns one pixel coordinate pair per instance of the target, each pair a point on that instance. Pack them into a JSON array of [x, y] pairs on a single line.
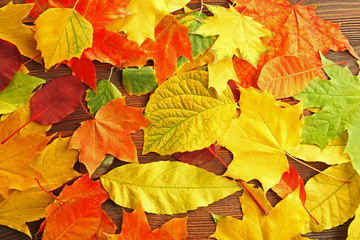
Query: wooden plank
[[200, 224]]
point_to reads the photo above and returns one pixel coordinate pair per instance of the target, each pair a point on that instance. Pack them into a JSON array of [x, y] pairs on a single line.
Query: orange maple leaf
[[109, 132], [297, 32], [136, 226]]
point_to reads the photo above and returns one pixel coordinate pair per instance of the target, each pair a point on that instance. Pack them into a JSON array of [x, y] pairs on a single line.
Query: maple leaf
[[338, 99], [70, 35], [13, 30], [331, 202], [286, 220], [185, 115], [220, 73], [242, 35], [171, 42], [297, 32], [138, 81], [256, 139], [10, 62], [109, 132], [106, 91], [16, 155], [136, 226], [166, 187], [17, 209]]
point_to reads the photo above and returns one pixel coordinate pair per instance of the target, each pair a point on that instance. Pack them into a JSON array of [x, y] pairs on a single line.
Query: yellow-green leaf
[[354, 228], [260, 137], [13, 30], [22, 207], [62, 34], [166, 187], [185, 115], [332, 154], [55, 163], [236, 32], [330, 201], [279, 224]]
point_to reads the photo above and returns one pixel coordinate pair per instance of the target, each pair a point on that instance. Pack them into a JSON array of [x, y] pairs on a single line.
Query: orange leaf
[[109, 132], [136, 226], [297, 31], [286, 76], [172, 41]]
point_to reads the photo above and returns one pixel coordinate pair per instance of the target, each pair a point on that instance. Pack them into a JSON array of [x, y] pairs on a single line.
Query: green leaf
[[166, 187], [185, 115], [339, 100], [199, 44], [106, 91], [332, 202], [137, 81], [18, 92]]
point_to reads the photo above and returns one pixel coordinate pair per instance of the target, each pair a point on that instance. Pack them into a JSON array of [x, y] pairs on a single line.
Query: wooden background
[[200, 223]]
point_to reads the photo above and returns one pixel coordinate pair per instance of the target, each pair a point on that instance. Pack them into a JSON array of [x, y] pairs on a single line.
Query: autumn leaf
[[16, 156], [285, 221], [166, 187], [243, 34], [220, 73], [18, 92], [70, 35], [332, 154], [338, 99], [185, 115], [171, 42], [10, 62], [136, 226], [173, 5], [106, 91], [18, 209], [138, 81], [13, 30], [109, 132], [84, 69], [256, 139], [104, 167], [55, 163], [197, 157], [295, 24], [332, 202], [286, 76], [354, 230]]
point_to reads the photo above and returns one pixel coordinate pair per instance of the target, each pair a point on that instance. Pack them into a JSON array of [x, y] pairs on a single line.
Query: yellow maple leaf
[[285, 221], [260, 137], [220, 73], [236, 32], [13, 30], [68, 35], [173, 5]]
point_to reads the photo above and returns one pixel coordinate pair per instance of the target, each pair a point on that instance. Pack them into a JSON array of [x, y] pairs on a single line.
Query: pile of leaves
[[213, 81]]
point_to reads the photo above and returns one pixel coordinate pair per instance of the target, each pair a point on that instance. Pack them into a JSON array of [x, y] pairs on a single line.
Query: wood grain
[[200, 224]]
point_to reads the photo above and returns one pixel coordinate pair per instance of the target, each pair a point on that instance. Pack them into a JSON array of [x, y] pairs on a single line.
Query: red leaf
[[10, 62], [197, 157], [172, 41], [56, 100], [84, 69]]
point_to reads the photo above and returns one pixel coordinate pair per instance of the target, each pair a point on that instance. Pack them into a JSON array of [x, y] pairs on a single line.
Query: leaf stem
[[299, 3], [58, 199], [240, 181], [31, 119], [83, 106], [185, 14], [32, 59], [315, 169]]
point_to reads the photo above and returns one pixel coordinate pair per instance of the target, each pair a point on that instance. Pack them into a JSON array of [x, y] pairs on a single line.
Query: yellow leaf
[[205, 59], [332, 154], [279, 224], [141, 23], [354, 228], [16, 155], [330, 201], [173, 5], [235, 32], [62, 34], [220, 73], [259, 138], [55, 163], [22, 207], [13, 30]]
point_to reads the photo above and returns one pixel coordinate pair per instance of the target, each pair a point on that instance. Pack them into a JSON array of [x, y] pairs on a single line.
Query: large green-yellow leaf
[[22, 207], [354, 228], [260, 137], [255, 225], [166, 187], [330, 201], [236, 33], [185, 115], [62, 34]]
